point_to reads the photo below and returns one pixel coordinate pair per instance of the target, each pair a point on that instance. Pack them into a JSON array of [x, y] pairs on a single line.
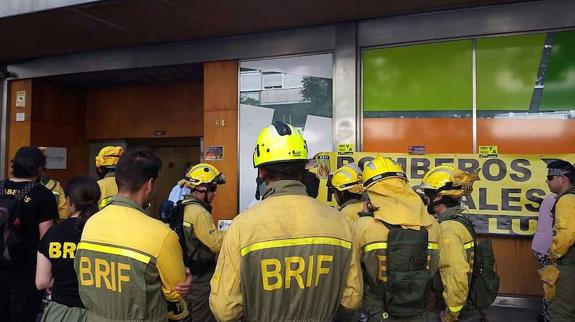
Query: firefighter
[[106, 161], [129, 266], [561, 180], [443, 188], [203, 240], [56, 188], [398, 242], [346, 182], [289, 257]]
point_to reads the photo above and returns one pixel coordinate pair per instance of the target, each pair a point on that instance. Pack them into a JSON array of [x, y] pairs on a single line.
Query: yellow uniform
[[456, 261], [288, 258], [204, 241], [108, 189], [128, 265], [562, 253], [56, 189], [351, 209]]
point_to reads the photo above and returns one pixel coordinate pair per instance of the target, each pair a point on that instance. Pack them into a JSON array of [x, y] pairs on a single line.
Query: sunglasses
[[211, 189], [550, 178]]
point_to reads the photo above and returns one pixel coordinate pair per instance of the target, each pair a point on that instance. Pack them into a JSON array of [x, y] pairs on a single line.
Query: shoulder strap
[[466, 222]]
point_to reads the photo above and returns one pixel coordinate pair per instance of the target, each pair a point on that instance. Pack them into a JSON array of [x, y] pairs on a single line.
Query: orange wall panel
[[438, 135], [527, 136]]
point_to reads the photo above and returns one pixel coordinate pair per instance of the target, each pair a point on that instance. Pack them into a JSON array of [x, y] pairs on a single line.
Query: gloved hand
[[177, 310]]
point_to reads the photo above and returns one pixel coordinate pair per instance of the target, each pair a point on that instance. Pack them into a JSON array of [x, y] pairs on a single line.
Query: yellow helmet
[[108, 156], [347, 178], [381, 168], [203, 173], [448, 181], [279, 142]]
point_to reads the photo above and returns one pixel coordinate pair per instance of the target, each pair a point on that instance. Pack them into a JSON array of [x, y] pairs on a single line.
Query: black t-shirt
[[59, 246], [39, 206]]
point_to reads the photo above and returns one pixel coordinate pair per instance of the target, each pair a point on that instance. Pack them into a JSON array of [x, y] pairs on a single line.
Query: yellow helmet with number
[[203, 173], [347, 178], [448, 181], [108, 156], [279, 142], [381, 168]]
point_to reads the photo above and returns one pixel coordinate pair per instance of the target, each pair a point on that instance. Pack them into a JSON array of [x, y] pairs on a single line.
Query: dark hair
[[285, 170], [135, 168], [28, 162], [565, 166], [84, 193]]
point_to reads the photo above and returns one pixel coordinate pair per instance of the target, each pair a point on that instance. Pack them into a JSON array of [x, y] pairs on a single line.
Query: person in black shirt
[[19, 299], [57, 249]]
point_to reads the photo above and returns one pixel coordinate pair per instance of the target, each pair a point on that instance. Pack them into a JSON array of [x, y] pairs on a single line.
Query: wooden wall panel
[[140, 111], [438, 135], [517, 267], [18, 132], [59, 121], [221, 104]]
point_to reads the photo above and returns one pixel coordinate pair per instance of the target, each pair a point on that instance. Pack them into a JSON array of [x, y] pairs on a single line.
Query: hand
[[184, 287]]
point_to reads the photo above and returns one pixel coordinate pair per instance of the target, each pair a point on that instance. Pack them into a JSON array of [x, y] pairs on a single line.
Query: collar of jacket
[[571, 190], [110, 174], [126, 202], [349, 202], [206, 206], [285, 187], [452, 211]]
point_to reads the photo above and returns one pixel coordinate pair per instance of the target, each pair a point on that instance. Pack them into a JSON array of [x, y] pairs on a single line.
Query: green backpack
[[484, 284], [408, 278]]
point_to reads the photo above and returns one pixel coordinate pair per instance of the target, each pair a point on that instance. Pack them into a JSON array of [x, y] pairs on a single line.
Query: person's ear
[[150, 184], [263, 173]]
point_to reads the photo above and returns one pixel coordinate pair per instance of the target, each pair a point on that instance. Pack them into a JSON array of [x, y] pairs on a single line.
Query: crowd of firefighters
[[388, 252]]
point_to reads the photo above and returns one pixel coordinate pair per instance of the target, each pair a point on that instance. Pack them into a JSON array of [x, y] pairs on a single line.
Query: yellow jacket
[[108, 188], [564, 228], [288, 258], [55, 187], [199, 227], [351, 209], [455, 262], [128, 264]]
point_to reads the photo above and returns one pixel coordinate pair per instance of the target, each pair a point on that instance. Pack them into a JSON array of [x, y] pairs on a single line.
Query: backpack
[[408, 278], [484, 284], [173, 214], [12, 241]]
